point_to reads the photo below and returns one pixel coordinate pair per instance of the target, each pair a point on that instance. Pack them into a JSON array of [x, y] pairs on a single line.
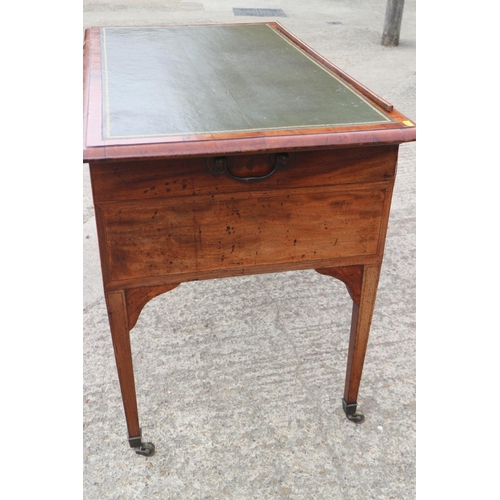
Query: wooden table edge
[[252, 145]]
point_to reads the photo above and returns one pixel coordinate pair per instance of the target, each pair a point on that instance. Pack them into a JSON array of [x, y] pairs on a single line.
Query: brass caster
[[146, 449], [140, 447], [358, 417], [351, 412]]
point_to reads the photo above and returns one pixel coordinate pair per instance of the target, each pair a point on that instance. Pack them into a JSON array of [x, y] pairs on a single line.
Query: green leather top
[[185, 80]]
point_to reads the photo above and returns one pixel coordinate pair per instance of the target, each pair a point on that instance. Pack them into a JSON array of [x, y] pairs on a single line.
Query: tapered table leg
[[362, 313], [362, 283], [119, 323]]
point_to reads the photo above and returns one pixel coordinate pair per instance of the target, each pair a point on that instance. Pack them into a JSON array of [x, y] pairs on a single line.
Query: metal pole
[[392, 26]]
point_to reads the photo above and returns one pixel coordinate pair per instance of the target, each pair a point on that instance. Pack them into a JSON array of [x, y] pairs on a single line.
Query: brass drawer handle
[[219, 165]]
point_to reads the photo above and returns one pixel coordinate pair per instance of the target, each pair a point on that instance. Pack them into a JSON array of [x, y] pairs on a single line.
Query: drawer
[[153, 179], [219, 235]]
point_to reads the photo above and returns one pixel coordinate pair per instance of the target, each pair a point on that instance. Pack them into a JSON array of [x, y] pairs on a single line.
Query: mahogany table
[[229, 150]]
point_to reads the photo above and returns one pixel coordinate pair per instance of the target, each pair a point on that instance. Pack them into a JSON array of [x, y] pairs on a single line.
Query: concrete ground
[[240, 380]]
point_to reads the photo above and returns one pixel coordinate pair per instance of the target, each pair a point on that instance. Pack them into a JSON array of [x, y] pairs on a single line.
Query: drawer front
[[212, 233], [154, 179]]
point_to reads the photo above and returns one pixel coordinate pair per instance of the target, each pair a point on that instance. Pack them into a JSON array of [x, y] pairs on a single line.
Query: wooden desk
[[228, 150]]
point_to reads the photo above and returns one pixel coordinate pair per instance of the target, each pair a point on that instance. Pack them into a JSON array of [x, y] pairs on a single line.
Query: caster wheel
[[352, 413], [146, 449], [358, 417]]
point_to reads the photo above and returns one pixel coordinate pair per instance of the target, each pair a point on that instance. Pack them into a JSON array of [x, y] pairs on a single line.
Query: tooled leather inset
[[188, 80]]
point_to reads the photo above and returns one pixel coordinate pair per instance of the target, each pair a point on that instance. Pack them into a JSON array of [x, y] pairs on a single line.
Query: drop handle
[[220, 165]]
